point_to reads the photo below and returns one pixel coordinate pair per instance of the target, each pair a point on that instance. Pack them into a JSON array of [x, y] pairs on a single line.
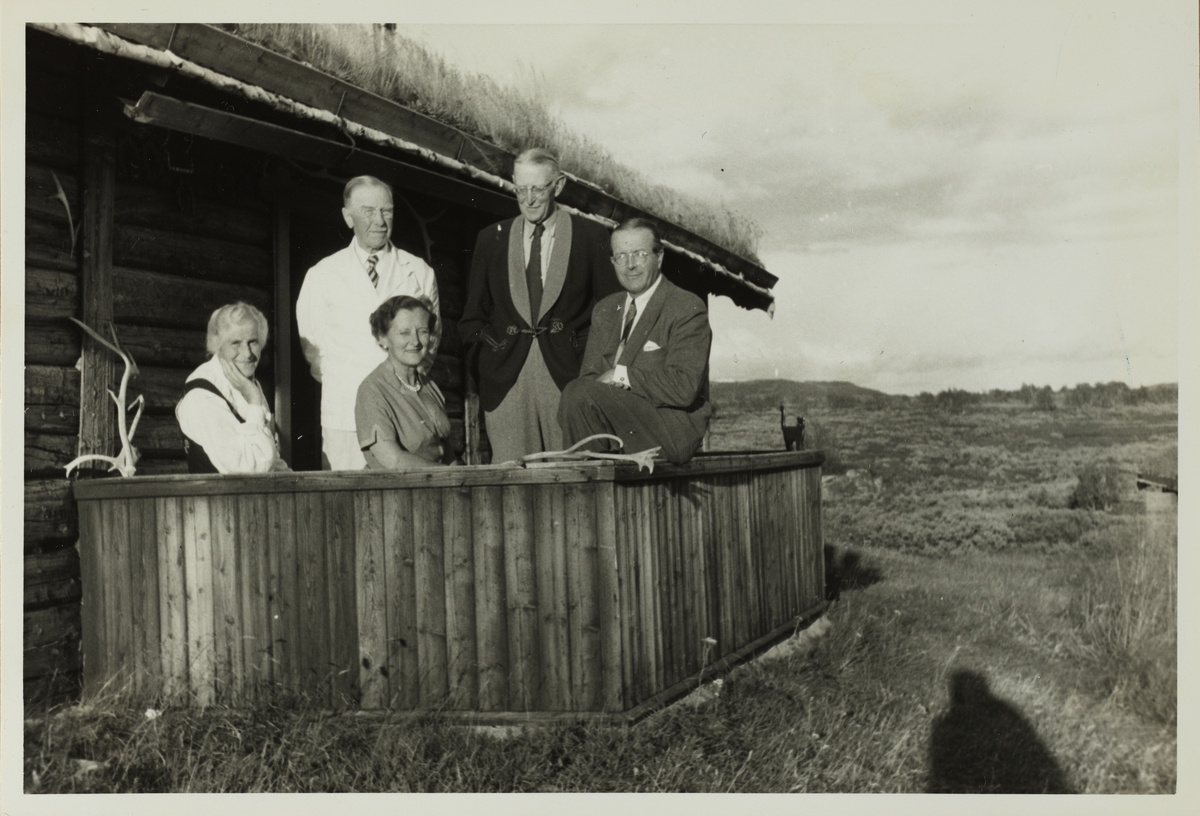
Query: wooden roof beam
[[248, 62], [165, 111], [745, 283], [221, 51]]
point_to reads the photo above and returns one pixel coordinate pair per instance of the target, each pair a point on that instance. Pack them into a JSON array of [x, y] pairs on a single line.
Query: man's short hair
[[538, 155], [381, 318], [642, 223], [362, 181], [233, 314]]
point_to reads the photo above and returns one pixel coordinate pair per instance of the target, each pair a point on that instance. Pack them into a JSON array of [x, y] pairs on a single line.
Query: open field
[[987, 636]]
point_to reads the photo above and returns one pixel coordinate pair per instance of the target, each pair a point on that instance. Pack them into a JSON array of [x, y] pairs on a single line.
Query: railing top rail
[[470, 476]]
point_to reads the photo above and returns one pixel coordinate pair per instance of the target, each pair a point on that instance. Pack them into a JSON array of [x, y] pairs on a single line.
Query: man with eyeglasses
[[333, 312], [644, 376], [533, 282]]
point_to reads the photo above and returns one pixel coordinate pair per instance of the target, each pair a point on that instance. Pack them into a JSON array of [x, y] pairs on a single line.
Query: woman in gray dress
[[400, 413]]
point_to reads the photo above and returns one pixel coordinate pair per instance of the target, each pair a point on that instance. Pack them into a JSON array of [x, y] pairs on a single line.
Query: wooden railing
[[493, 590]]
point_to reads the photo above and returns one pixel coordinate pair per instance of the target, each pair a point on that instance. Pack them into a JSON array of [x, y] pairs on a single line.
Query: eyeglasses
[[638, 258], [539, 191]]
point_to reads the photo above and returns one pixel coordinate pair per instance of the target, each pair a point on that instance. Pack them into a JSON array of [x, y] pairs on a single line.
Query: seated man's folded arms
[[644, 376]]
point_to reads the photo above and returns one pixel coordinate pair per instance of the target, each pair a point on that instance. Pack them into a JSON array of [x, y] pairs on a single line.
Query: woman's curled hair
[[381, 318]]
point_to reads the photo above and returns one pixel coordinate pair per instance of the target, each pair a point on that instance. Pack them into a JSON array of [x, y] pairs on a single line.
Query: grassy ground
[[1006, 663]]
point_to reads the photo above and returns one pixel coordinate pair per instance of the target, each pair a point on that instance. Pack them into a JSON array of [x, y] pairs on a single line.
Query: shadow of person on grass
[[983, 745], [846, 573]]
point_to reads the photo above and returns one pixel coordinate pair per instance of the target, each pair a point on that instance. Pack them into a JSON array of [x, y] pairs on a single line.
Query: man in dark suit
[[644, 376], [533, 277]]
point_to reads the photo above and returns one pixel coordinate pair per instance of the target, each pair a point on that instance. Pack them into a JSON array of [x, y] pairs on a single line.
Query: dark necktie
[[630, 316], [371, 261], [533, 273]]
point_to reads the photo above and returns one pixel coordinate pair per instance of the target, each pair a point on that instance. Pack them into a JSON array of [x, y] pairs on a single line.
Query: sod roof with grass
[[466, 125]]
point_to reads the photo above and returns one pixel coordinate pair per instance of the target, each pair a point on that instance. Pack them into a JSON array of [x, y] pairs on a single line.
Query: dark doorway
[[316, 230]]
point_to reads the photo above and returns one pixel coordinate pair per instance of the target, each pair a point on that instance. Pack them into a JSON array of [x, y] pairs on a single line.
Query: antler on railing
[[643, 459], [126, 460]]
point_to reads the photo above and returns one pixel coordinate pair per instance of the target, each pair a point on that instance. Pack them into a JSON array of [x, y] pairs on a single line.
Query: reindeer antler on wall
[[125, 461]]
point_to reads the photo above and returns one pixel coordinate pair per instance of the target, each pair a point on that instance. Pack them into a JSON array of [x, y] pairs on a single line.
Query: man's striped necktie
[[371, 261]]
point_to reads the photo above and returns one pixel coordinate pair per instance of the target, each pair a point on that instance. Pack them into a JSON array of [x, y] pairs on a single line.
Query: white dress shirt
[[333, 317], [232, 446], [620, 372], [548, 226]]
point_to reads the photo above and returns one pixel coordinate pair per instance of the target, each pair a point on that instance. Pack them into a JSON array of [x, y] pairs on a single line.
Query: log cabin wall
[[172, 226], [54, 149]]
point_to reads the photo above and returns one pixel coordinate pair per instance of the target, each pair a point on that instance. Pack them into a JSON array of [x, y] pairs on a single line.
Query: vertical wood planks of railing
[[491, 604], [343, 605], [372, 600], [144, 605], [253, 570], [284, 601], [608, 601], [227, 631], [198, 581], [520, 580], [427, 520], [554, 591], [459, 567], [172, 597], [400, 571], [551, 563], [312, 633]]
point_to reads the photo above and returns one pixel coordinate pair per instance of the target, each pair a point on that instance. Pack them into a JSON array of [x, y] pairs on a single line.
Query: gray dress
[[386, 410]]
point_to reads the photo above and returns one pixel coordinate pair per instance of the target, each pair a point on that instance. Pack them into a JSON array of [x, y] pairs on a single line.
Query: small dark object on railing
[[793, 435]]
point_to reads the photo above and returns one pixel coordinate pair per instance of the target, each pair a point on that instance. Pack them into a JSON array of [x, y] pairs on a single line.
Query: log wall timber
[[163, 248], [54, 148], [569, 589], [51, 142]]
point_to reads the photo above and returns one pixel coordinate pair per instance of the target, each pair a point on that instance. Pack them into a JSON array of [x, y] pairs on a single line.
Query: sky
[[965, 205]]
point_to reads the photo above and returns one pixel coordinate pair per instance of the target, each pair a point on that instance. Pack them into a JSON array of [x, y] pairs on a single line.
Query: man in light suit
[[644, 376], [333, 312], [533, 282]]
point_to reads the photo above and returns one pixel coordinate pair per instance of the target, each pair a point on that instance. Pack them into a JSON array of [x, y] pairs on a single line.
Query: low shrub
[[1098, 488], [1049, 527]]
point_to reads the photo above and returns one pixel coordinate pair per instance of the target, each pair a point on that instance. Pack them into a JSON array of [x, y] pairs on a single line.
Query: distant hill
[[761, 395], [797, 397]]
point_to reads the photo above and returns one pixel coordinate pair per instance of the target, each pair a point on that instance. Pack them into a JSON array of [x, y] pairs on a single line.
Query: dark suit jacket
[[672, 374], [496, 315]]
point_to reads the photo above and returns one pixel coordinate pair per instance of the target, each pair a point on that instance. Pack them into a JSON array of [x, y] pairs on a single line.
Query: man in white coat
[[334, 309]]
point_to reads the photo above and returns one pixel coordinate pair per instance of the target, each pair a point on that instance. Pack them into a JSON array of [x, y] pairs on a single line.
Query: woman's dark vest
[[197, 459]]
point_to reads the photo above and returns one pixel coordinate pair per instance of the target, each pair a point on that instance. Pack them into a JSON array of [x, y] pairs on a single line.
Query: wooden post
[[470, 415], [283, 328], [97, 413]]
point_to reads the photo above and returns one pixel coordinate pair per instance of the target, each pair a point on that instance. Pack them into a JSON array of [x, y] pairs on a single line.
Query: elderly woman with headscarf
[[224, 415], [400, 413]]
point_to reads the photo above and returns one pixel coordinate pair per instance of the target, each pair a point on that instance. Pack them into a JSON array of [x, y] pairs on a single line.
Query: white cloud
[[969, 206]]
